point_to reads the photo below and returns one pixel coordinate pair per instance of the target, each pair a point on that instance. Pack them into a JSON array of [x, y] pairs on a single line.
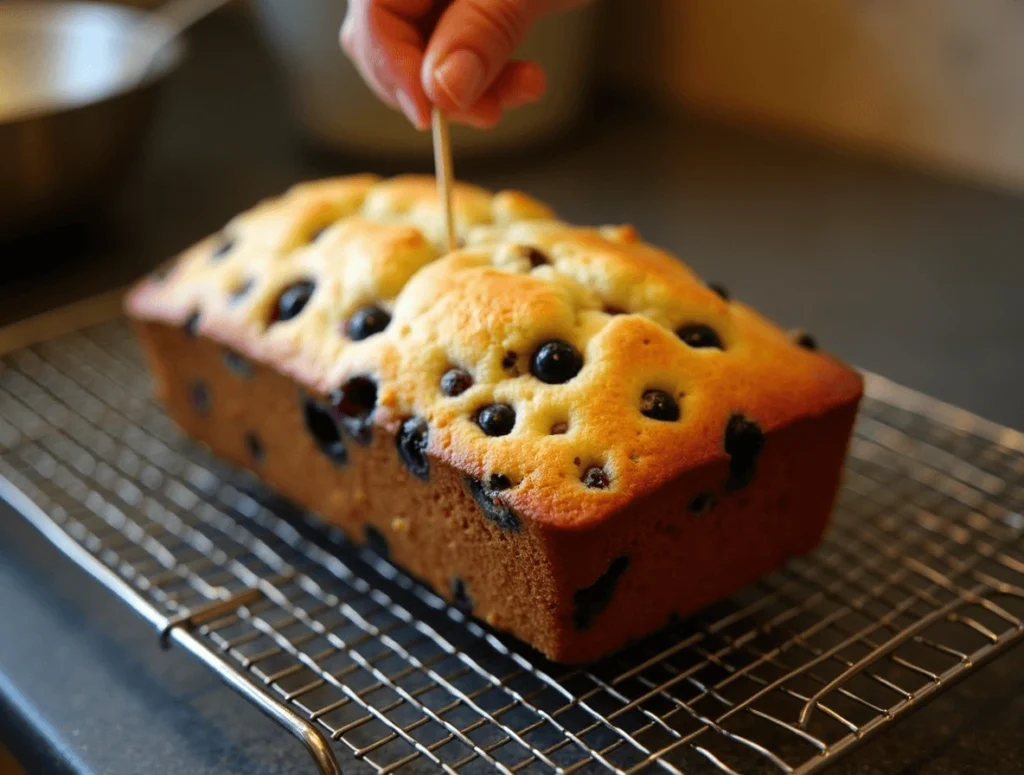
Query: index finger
[[384, 39]]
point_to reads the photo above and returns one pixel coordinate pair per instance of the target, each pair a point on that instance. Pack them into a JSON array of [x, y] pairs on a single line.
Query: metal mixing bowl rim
[[167, 61]]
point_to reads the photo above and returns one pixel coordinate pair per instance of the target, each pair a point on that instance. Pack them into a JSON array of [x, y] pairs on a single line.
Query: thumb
[[470, 46]]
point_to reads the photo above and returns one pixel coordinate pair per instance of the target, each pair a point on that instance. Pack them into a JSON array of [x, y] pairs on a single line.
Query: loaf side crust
[[575, 592]]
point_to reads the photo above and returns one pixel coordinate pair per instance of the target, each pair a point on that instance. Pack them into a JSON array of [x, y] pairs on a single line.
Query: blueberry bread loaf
[[561, 429]]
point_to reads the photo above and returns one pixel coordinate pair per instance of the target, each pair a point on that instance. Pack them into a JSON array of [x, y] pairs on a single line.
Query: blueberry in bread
[[562, 430]]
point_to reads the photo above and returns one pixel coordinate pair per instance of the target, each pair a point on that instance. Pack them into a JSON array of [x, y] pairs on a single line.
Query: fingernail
[[410, 109], [460, 75]]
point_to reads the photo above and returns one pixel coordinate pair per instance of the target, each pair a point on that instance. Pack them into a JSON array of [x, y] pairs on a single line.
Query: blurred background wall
[[939, 83]]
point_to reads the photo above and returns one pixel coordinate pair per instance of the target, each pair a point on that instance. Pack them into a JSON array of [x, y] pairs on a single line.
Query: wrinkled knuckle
[[504, 19]]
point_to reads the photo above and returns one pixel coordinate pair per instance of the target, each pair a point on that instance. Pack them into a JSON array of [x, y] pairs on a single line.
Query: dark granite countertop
[[912, 276]]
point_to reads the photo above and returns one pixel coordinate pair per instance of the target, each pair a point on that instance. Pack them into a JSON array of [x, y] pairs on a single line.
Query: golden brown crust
[[487, 308], [596, 514]]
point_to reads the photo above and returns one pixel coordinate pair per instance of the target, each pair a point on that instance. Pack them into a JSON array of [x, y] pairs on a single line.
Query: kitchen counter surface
[[911, 276]]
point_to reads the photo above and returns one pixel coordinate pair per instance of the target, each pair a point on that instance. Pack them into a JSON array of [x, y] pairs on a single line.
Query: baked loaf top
[[565, 370]]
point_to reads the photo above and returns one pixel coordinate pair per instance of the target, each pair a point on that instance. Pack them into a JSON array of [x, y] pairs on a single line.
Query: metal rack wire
[[920, 579]]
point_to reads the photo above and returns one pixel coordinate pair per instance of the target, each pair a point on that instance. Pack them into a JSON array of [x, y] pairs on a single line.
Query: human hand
[[454, 54]]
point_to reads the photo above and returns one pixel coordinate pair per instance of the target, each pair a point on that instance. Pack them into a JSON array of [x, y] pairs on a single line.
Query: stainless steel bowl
[[72, 119]]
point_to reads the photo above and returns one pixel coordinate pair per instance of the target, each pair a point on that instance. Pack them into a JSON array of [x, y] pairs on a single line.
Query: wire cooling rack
[[920, 579]]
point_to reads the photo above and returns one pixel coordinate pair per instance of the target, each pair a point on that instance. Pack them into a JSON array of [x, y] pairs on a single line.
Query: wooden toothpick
[[443, 171]]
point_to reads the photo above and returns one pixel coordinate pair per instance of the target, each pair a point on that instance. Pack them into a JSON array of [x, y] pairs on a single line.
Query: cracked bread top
[[565, 370]]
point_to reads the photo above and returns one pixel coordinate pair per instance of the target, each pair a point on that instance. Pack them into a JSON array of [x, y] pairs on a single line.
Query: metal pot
[[71, 125], [336, 110]]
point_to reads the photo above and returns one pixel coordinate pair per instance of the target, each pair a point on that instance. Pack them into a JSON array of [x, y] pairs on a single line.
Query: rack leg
[[311, 737]]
